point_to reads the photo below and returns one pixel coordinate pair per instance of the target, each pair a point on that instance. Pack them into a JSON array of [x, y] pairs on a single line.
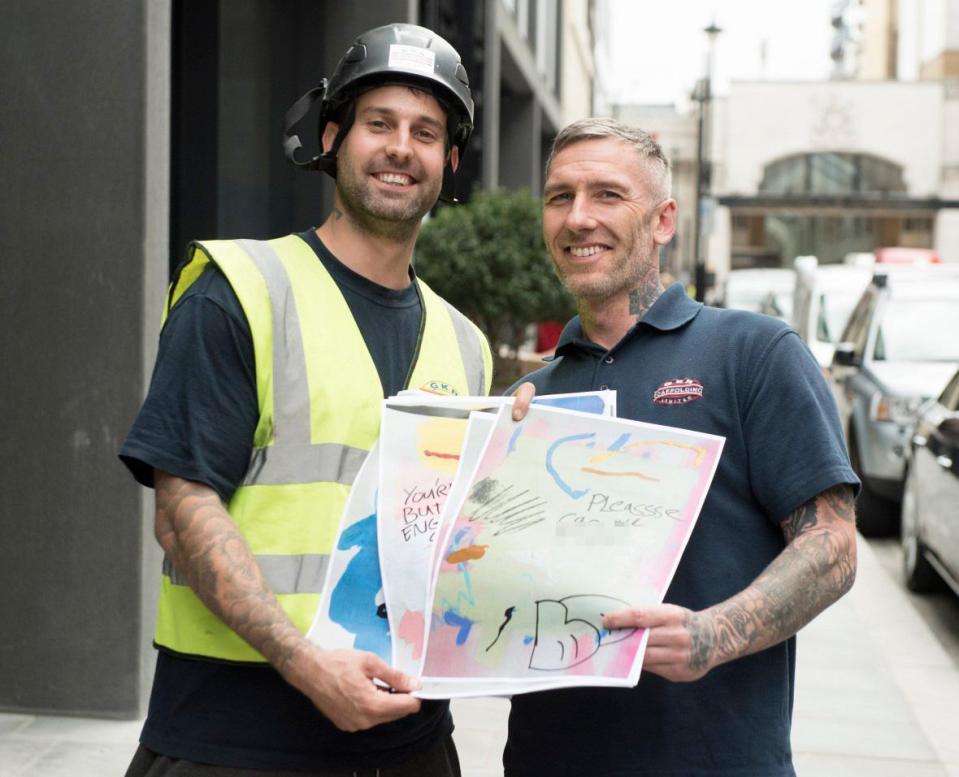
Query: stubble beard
[[396, 220], [623, 276]]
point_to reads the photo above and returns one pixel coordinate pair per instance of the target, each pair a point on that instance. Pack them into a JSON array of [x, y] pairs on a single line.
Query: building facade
[[867, 159], [857, 165]]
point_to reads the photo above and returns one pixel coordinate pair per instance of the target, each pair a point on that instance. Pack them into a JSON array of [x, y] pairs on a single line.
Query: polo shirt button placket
[[607, 360]]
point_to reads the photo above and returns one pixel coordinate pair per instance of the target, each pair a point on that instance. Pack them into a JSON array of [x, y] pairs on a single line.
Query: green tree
[[487, 258]]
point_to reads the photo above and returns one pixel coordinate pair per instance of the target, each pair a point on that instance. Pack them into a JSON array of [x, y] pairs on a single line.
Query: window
[[832, 173]]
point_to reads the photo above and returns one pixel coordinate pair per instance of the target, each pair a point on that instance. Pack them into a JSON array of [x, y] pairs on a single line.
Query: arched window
[[832, 173]]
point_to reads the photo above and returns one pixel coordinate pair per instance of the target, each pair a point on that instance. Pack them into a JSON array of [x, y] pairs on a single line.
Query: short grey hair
[[600, 128]]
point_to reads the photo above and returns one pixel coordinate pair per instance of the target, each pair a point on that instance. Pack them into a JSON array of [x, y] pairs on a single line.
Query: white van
[[823, 298]]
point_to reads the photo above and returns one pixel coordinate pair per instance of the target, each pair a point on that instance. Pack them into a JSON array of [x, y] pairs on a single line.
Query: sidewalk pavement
[[876, 695]]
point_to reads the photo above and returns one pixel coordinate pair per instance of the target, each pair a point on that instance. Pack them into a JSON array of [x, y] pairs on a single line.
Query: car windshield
[[746, 297], [834, 311], [768, 292], [918, 330]]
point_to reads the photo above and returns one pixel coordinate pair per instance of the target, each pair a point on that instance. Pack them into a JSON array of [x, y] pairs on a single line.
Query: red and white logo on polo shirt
[[678, 391]]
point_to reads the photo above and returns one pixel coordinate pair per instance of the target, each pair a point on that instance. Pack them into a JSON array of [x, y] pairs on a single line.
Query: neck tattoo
[[641, 299]]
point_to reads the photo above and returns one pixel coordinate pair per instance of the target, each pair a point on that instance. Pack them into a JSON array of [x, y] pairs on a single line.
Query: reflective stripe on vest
[[319, 399]]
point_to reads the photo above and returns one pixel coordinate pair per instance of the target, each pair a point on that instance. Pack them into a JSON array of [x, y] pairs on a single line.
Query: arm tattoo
[[204, 544], [817, 566], [702, 641], [799, 520]]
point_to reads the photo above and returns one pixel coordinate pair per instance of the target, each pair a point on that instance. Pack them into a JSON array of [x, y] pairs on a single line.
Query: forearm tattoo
[[205, 545], [817, 566]]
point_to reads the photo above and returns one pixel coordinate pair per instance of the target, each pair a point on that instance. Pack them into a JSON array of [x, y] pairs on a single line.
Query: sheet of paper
[[568, 516], [421, 440], [478, 429], [352, 613]]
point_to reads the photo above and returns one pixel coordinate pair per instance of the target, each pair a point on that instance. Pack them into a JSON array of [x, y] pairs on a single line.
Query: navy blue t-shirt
[[750, 379], [197, 423]]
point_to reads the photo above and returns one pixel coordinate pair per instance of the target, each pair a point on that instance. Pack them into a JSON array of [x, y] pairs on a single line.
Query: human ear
[[329, 135], [664, 226]]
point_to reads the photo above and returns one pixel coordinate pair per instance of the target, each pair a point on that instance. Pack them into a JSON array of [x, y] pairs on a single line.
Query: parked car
[[905, 255], [824, 297], [766, 290], [930, 501], [899, 348]]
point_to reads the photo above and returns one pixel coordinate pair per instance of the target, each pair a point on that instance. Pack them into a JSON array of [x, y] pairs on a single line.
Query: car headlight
[[893, 409]]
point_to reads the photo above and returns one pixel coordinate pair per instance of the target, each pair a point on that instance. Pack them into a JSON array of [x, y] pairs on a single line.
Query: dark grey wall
[[72, 244]]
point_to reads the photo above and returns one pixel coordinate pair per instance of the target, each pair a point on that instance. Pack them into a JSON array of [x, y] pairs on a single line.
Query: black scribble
[[575, 621], [506, 510], [509, 616]]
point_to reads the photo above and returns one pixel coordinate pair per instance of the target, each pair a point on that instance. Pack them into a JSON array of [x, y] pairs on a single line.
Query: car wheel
[[919, 574], [875, 515]]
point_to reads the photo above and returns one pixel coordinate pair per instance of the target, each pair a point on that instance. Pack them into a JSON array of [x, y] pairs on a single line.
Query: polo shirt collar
[[672, 310]]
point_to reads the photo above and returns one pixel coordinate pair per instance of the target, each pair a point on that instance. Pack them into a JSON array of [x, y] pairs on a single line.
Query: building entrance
[[827, 204]]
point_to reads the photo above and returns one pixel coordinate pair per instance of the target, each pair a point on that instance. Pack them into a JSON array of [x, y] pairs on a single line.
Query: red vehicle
[[903, 255]]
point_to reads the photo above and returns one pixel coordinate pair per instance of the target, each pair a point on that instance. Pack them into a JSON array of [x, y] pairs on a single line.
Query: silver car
[[899, 348], [930, 501]]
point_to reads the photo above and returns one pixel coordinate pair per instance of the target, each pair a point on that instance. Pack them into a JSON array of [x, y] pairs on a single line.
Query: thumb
[[523, 396], [394, 678]]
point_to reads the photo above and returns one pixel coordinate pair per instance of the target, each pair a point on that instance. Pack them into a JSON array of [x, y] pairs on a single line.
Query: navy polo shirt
[[750, 379]]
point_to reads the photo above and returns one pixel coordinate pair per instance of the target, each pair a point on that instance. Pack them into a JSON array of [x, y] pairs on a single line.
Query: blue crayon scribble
[[353, 600], [513, 438], [464, 624], [619, 442], [575, 494], [527, 639]]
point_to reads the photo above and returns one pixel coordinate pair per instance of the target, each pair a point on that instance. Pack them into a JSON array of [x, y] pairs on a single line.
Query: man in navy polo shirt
[[775, 543]]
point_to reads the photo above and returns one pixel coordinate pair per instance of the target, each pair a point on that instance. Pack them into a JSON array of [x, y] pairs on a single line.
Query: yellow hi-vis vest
[[319, 398]]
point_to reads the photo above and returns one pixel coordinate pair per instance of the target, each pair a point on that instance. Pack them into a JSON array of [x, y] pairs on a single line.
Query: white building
[[833, 167]]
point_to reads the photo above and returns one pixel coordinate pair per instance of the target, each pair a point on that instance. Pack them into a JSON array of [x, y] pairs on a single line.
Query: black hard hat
[[392, 54]]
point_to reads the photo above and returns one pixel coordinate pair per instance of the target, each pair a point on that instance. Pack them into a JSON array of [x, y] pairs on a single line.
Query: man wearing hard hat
[[273, 361]]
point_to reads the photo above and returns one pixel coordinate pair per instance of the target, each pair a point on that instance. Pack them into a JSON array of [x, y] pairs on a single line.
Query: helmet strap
[[344, 128], [448, 190], [295, 114]]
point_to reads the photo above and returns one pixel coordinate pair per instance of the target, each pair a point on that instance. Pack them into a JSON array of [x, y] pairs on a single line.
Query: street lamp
[[703, 95]]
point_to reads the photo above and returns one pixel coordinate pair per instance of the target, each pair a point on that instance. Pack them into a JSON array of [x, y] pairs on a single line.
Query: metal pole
[[703, 164], [699, 266]]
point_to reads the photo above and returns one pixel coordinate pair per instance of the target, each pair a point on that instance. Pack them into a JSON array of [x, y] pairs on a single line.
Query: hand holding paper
[[340, 684], [679, 639]]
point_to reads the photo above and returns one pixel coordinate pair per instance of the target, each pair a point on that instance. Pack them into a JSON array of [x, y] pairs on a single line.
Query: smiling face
[[604, 218], [389, 169]]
